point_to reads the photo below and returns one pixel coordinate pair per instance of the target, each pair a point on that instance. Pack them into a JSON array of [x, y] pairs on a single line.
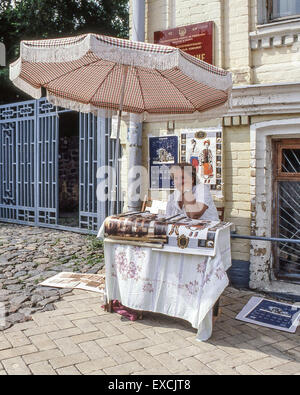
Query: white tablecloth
[[178, 285]]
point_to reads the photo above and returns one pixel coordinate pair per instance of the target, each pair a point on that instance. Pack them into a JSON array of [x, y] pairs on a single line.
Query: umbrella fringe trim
[[210, 75], [207, 77], [15, 69], [36, 93], [80, 107], [76, 50], [212, 113], [35, 53], [14, 75]]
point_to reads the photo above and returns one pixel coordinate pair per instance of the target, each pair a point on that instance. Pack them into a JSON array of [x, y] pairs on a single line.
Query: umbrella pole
[[116, 159]]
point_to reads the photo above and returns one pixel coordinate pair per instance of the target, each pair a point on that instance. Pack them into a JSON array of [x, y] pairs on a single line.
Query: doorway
[[68, 169]]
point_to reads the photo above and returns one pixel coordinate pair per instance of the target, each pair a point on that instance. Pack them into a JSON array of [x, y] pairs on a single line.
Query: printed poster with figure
[[163, 153], [203, 149], [270, 313]]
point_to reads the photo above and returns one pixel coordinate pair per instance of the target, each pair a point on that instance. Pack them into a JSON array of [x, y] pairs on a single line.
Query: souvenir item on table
[[142, 226], [177, 233], [194, 234]]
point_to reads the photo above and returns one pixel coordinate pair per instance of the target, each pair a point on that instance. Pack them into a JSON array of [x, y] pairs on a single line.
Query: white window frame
[[274, 33], [262, 16], [264, 13]]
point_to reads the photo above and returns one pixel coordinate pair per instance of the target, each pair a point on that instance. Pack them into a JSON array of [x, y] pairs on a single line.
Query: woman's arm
[[193, 209], [170, 209]]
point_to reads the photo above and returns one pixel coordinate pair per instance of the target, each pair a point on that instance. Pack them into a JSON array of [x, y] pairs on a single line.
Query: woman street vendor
[[190, 198]]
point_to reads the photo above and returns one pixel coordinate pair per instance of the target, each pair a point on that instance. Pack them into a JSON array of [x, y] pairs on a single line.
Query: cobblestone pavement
[[29, 255], [77, 337]]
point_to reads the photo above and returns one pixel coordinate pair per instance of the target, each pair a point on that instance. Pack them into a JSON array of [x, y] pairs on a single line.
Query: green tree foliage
[[38, 19]]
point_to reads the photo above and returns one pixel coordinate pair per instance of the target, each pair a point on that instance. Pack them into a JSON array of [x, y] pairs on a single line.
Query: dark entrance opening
[[68, 165]]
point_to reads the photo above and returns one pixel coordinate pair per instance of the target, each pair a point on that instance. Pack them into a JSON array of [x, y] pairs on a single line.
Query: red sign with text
[[196, 40]]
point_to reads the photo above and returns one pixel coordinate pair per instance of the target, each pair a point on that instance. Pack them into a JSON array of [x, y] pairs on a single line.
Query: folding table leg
[[216, 311], [108, 306]]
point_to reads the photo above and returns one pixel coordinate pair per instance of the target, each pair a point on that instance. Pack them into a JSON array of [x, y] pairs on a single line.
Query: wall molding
[[275, 34], [283, 98]]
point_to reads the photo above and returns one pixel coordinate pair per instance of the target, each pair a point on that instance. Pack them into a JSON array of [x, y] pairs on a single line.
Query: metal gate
[[29, 188], [17, 163], [96, 152], [287, 209], [46, 143]]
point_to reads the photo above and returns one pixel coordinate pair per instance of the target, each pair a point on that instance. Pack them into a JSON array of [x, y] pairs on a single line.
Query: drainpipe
[[138, 20], [135, 129], [171, 12]]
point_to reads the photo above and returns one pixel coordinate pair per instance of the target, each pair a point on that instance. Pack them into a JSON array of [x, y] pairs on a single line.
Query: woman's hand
[[193, 209]]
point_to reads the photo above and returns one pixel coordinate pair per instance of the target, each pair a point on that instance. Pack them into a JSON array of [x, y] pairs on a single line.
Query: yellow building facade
[[259, 42]]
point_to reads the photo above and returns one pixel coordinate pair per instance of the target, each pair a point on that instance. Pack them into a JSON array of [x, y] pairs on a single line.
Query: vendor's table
[[183, 285]]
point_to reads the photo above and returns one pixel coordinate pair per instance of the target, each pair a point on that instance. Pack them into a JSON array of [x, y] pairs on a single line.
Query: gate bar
[[277, 239]]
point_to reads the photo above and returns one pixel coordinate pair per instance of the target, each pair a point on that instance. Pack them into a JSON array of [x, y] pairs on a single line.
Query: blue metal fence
[[29, 144]]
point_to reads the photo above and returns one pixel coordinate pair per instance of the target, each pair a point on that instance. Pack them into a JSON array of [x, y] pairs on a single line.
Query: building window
[[282, 9], [286, 209]]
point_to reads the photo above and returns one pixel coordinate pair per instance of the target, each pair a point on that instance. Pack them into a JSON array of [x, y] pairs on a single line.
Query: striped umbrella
[[87, 72], [105, 75]]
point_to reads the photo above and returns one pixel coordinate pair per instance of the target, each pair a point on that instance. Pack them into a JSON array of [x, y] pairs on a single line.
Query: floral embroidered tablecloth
[[179, 285]]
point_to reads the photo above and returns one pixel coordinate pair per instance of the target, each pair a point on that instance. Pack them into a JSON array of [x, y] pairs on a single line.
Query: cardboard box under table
[[174, 266]]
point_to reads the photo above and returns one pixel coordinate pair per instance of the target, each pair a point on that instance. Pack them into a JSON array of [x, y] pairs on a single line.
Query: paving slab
[[72, 334], [86, 343]]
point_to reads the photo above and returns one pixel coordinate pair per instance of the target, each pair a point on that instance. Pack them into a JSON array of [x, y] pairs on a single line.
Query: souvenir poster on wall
[[203, 149], [163, 153]]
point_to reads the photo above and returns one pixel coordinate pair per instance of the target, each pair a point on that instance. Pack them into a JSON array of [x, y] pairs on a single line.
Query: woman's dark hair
[[184, 165]]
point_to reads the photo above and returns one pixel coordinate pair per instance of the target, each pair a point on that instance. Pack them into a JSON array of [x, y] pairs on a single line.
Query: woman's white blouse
[[202, 195]]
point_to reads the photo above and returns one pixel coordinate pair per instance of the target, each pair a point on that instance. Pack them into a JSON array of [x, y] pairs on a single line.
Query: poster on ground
[[270, 313], [88, 282]]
